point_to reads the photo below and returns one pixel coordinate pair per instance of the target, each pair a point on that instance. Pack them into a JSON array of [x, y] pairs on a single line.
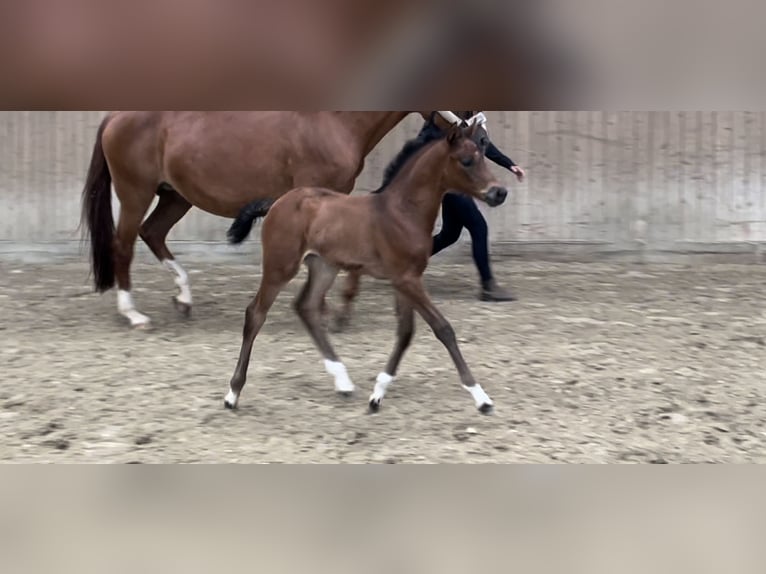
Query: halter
[[479, 118]]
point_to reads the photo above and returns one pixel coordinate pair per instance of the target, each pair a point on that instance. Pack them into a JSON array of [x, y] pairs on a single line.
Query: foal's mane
[[410, 149]]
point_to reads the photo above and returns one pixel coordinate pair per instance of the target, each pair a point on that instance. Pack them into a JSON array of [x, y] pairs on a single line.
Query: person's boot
[[491, 291]]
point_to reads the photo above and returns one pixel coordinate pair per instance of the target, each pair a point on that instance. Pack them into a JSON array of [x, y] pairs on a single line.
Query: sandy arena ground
[[595, 363]]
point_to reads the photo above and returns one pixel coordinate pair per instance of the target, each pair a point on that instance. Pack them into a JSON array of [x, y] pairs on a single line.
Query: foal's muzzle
[[496, 196]]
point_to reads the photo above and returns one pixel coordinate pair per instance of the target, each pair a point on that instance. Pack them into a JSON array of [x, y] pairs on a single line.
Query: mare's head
[[467, 171]]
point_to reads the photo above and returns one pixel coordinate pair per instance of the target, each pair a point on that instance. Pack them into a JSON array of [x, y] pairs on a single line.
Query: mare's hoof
[[486, 409], [183, 308], [142, 326], [228, 405], [345, 394]]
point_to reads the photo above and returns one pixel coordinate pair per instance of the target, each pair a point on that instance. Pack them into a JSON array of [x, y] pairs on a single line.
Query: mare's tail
[[243, 224], [97, 215]]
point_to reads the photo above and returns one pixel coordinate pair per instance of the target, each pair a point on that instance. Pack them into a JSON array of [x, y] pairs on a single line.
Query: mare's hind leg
[[404, 331], [350, 290], [134, 203], [308, 305], [412, 288], [169, 211]]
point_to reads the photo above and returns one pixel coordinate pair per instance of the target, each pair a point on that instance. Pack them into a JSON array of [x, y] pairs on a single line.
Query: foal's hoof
[[486, 409], [183, 308], [374, 405], [231, 400], [144, 326], [344, 387]]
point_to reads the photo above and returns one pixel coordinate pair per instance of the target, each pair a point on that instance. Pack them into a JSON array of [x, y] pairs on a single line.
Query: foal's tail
[[243, 224], [97, 214]]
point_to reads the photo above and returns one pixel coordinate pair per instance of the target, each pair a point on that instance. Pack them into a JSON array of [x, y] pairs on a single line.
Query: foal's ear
[[454, 134]]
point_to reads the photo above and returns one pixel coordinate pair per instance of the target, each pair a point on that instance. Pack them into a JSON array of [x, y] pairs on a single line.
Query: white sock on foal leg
[[127, 309], [231, 399], [382, 382], [182, 280], [481, 398], [343, 383]]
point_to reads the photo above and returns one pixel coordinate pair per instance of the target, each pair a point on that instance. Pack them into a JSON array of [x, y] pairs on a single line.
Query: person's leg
[[452, 222], [474, 222]]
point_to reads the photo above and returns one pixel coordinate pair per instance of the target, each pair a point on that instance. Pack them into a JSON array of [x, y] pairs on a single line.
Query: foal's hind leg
[[413, 289], [404, 332], [169, 211], [350, 290], [308, 305]]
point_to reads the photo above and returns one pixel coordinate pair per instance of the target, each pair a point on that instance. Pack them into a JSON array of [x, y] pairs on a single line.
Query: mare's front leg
[[308, 305], [412, 288]]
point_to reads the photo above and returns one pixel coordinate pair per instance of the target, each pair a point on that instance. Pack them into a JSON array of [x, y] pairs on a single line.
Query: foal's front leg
[[404, 331], [255, 317], [413, 289]]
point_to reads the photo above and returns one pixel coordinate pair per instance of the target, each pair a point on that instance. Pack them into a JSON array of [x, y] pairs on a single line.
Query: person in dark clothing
[[460, 211]]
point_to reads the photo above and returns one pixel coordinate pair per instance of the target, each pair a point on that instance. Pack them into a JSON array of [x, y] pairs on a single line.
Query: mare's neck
[[418, 189], [368, 128]]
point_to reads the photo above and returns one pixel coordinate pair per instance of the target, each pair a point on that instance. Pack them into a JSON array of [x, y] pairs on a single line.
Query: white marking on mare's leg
[[343, 383], [127, 309], [382, 382], [182, 280], [481, 398]]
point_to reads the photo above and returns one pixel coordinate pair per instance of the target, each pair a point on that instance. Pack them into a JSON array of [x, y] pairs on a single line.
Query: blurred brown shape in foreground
[[369, 54], [203, 54], [531, 519]]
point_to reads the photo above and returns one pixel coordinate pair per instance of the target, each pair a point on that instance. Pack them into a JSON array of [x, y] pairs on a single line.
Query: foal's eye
[[467, 162], [484, 142]]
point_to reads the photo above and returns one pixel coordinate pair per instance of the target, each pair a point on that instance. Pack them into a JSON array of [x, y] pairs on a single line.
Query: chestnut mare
[[385, 235], [217, 161]]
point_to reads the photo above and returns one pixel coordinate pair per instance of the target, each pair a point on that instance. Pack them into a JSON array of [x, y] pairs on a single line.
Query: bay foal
[[386, 235]]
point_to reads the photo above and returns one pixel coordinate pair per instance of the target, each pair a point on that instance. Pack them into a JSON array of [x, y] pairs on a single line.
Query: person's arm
[[495, 155]]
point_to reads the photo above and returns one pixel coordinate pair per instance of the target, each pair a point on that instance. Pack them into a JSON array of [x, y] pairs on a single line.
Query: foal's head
[[466, 169]]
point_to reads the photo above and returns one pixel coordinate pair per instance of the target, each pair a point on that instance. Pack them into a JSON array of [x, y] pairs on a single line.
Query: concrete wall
[[666, 180]]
